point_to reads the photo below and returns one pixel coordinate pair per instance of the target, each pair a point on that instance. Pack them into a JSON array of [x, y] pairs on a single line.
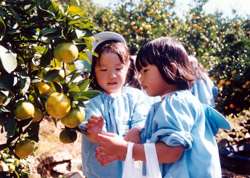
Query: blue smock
[[180, 119], [205, 91], [120, 114]]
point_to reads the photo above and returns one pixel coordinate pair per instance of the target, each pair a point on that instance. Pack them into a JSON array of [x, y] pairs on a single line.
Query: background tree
[[220, 44]]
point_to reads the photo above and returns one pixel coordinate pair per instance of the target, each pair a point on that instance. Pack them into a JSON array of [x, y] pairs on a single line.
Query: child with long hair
[[119, 107], [178, 124]]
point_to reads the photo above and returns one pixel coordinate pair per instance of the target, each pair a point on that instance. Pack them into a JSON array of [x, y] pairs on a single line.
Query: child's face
[[153, 83], [111, 73]]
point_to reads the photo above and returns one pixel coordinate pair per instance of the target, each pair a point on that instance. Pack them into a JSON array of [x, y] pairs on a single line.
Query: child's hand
[[111, 144], [103, 160], [133, 135], [94, 127]]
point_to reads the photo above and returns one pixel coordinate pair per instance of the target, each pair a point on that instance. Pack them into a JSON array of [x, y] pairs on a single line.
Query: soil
[[49, 144]]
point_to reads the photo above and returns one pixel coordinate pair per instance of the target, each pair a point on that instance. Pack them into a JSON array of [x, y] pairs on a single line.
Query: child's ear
[[174, 67]]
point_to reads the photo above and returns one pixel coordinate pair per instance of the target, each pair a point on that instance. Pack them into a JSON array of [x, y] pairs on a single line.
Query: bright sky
[[242, 7]]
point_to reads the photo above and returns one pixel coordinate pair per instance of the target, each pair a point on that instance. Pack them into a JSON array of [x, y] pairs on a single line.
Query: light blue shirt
[[120, 114], [205, 91], [180, 119]]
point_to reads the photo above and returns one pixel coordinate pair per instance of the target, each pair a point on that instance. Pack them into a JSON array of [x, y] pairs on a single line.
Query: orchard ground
[[49, 144]]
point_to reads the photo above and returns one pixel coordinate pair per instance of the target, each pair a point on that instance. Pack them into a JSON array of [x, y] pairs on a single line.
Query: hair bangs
[[144, 57]]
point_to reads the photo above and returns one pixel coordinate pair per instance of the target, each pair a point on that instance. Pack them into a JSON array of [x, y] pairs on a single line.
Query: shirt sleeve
[[93, 108], [174, 122]]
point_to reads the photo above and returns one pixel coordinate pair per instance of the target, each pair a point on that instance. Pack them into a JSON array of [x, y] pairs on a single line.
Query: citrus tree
[[40, 42], [220, 44], [138, 22]]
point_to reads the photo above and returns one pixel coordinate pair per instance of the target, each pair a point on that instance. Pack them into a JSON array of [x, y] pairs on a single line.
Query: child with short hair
[[178, 124], [118, 108]]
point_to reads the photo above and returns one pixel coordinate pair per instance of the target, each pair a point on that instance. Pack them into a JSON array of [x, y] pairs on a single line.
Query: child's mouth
[[112, 83]]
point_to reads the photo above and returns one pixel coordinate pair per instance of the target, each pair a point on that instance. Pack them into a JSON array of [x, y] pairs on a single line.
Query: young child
[[118, 108], [203, 87], [184, 138]]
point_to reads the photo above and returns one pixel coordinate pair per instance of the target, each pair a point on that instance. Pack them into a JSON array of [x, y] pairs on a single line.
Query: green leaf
[[51, 75], [74, 88], [16, 15], [47, 31], [6, 81], [56, 87], [46, 57], [89, 94], [8, 59], [2, 26], [10, 126], [84, 84], [76, 10], [75, 74], [25, 83], [83, 56]]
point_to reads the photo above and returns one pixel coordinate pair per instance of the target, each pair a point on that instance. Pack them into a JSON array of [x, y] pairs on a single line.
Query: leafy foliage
[[29, 33], [221, 45]]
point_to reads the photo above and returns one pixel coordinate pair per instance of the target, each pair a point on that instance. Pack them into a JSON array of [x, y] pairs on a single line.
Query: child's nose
[[140, 78], [112, 74]]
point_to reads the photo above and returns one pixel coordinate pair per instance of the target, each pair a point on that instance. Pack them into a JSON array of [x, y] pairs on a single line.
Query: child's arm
[[113, 145], [133, 135], [94, 127]]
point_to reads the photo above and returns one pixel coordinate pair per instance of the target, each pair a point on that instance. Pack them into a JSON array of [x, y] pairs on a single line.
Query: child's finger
[[93, 120], [89, 125]]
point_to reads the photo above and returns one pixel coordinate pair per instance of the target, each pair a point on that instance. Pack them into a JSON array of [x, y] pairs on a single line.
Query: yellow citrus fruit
[[66, 52], [57, 105], [43, 88], [2, 98], [38, 115], [74, 118], [67, 137], [24, 110], [24, 148]]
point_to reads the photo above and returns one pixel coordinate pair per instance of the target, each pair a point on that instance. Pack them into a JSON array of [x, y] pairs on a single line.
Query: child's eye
[[103, 70], [145, 70], [118, 69]]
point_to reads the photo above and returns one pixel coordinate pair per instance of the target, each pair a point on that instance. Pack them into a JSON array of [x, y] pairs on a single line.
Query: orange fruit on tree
[[67, 137], [24, 110], [38, 115], [24, 148], [57, 105], [222, 82], [233, 72], [43, 88], [74, 118], [2, 98], [66, 52]]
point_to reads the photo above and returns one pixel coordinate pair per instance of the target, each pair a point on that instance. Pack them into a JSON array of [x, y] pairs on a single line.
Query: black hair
[[162, 52], [122, 51]]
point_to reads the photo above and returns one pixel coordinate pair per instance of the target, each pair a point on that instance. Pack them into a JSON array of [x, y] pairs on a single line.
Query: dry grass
[[49, 144]]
